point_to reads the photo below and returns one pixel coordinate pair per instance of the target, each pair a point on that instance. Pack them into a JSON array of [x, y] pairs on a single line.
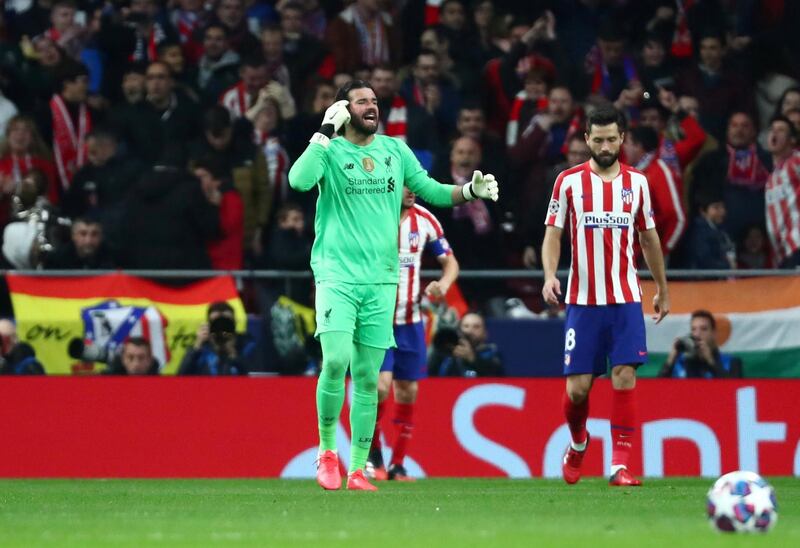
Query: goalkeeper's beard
[[605, 160], [358, 125]]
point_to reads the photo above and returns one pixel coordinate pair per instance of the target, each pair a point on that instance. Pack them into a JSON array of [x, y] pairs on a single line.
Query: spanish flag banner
[[106, 310]]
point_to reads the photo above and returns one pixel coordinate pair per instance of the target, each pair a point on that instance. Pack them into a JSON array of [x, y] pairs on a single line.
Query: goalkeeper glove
[[335, 117], [481, 186]]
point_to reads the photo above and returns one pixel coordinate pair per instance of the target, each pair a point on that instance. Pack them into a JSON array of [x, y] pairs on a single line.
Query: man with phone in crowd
[[218, 349], [697, 355]]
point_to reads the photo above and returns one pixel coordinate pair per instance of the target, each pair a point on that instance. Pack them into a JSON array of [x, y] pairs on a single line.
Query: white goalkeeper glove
[[481, 186], [335, 117]]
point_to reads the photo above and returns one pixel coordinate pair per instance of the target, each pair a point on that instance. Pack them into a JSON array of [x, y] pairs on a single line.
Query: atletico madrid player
[[407, 364], [604, 202]]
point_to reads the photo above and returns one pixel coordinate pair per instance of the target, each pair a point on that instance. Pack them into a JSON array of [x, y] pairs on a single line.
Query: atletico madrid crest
[[627, 196]]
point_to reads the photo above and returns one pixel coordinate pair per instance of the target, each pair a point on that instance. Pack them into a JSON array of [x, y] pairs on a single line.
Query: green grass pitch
[[440, 512]]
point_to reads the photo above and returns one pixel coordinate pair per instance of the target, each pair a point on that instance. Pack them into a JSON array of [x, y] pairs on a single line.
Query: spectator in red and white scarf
[[741, 169], [68, 121], [65, 31], [21, 151], [531, 99], [268, 127], [611, 70], [547, 133], [427, 89], [641, 152], [363, 35], [188, 19], [254, 76], [681, 136], [408, 122], [394, 112]]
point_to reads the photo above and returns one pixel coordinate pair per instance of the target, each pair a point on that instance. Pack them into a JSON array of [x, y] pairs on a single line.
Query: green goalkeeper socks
[[365, 368], [336, 350]]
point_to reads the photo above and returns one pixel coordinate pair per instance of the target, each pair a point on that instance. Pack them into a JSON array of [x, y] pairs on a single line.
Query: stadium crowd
[[158, 134]]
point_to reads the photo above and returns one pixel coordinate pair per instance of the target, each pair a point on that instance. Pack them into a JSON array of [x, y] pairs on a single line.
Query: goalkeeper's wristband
[[468, 193], [320, 139], [327, 130]]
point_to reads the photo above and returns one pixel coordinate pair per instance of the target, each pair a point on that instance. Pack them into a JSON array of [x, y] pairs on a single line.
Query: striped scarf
[[745, 168], [512, 129], [372, 37], [69, 145], [682, 37], [277, 165], [396, 121]]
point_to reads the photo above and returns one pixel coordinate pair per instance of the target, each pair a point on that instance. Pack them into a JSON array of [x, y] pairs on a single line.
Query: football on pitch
[[743, 502]]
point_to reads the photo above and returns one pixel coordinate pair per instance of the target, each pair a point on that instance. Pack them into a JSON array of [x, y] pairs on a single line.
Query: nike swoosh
[[642, 353]]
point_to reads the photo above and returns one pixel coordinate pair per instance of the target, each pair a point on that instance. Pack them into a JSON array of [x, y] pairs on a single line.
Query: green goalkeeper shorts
[[364, 310]]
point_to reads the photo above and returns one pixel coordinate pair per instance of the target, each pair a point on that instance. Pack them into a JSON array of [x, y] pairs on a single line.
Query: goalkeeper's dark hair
[[605, 116], [344, 91]]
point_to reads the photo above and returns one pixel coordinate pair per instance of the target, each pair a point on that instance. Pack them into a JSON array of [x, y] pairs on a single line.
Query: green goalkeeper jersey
[[358, 209]]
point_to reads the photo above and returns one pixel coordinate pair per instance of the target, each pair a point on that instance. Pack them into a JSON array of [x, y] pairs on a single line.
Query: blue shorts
[[409, 360], [597, 335]]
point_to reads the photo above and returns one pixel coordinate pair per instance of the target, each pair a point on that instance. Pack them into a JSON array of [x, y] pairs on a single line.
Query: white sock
[[579, 446], [616, 468]]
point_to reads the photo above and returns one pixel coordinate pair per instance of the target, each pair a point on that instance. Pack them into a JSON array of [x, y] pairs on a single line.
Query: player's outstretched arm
[[551, 252], [441, 195], [651, 249], [481, 186], [310, 166]]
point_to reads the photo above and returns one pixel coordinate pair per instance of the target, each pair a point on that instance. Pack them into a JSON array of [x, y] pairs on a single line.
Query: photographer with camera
[[218, 349], [466, 352], [697, 355]]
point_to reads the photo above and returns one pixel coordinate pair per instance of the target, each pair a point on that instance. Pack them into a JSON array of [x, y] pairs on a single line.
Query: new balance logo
[[348, 166]]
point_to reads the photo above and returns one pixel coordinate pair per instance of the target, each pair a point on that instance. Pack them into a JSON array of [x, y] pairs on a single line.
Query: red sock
[[376, 436], [404, 424], [623, 426], [576, 415]]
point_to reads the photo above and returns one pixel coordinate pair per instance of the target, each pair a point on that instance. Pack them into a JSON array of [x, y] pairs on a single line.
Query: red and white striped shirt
[[418, 230], [782, 195], [602, 217], [236, 100]]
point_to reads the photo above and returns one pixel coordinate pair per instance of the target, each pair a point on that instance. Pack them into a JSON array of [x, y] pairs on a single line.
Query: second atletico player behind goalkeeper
[[407, 364]]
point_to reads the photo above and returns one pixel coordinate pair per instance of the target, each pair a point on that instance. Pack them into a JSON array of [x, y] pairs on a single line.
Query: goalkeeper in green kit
[[355, 260]]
